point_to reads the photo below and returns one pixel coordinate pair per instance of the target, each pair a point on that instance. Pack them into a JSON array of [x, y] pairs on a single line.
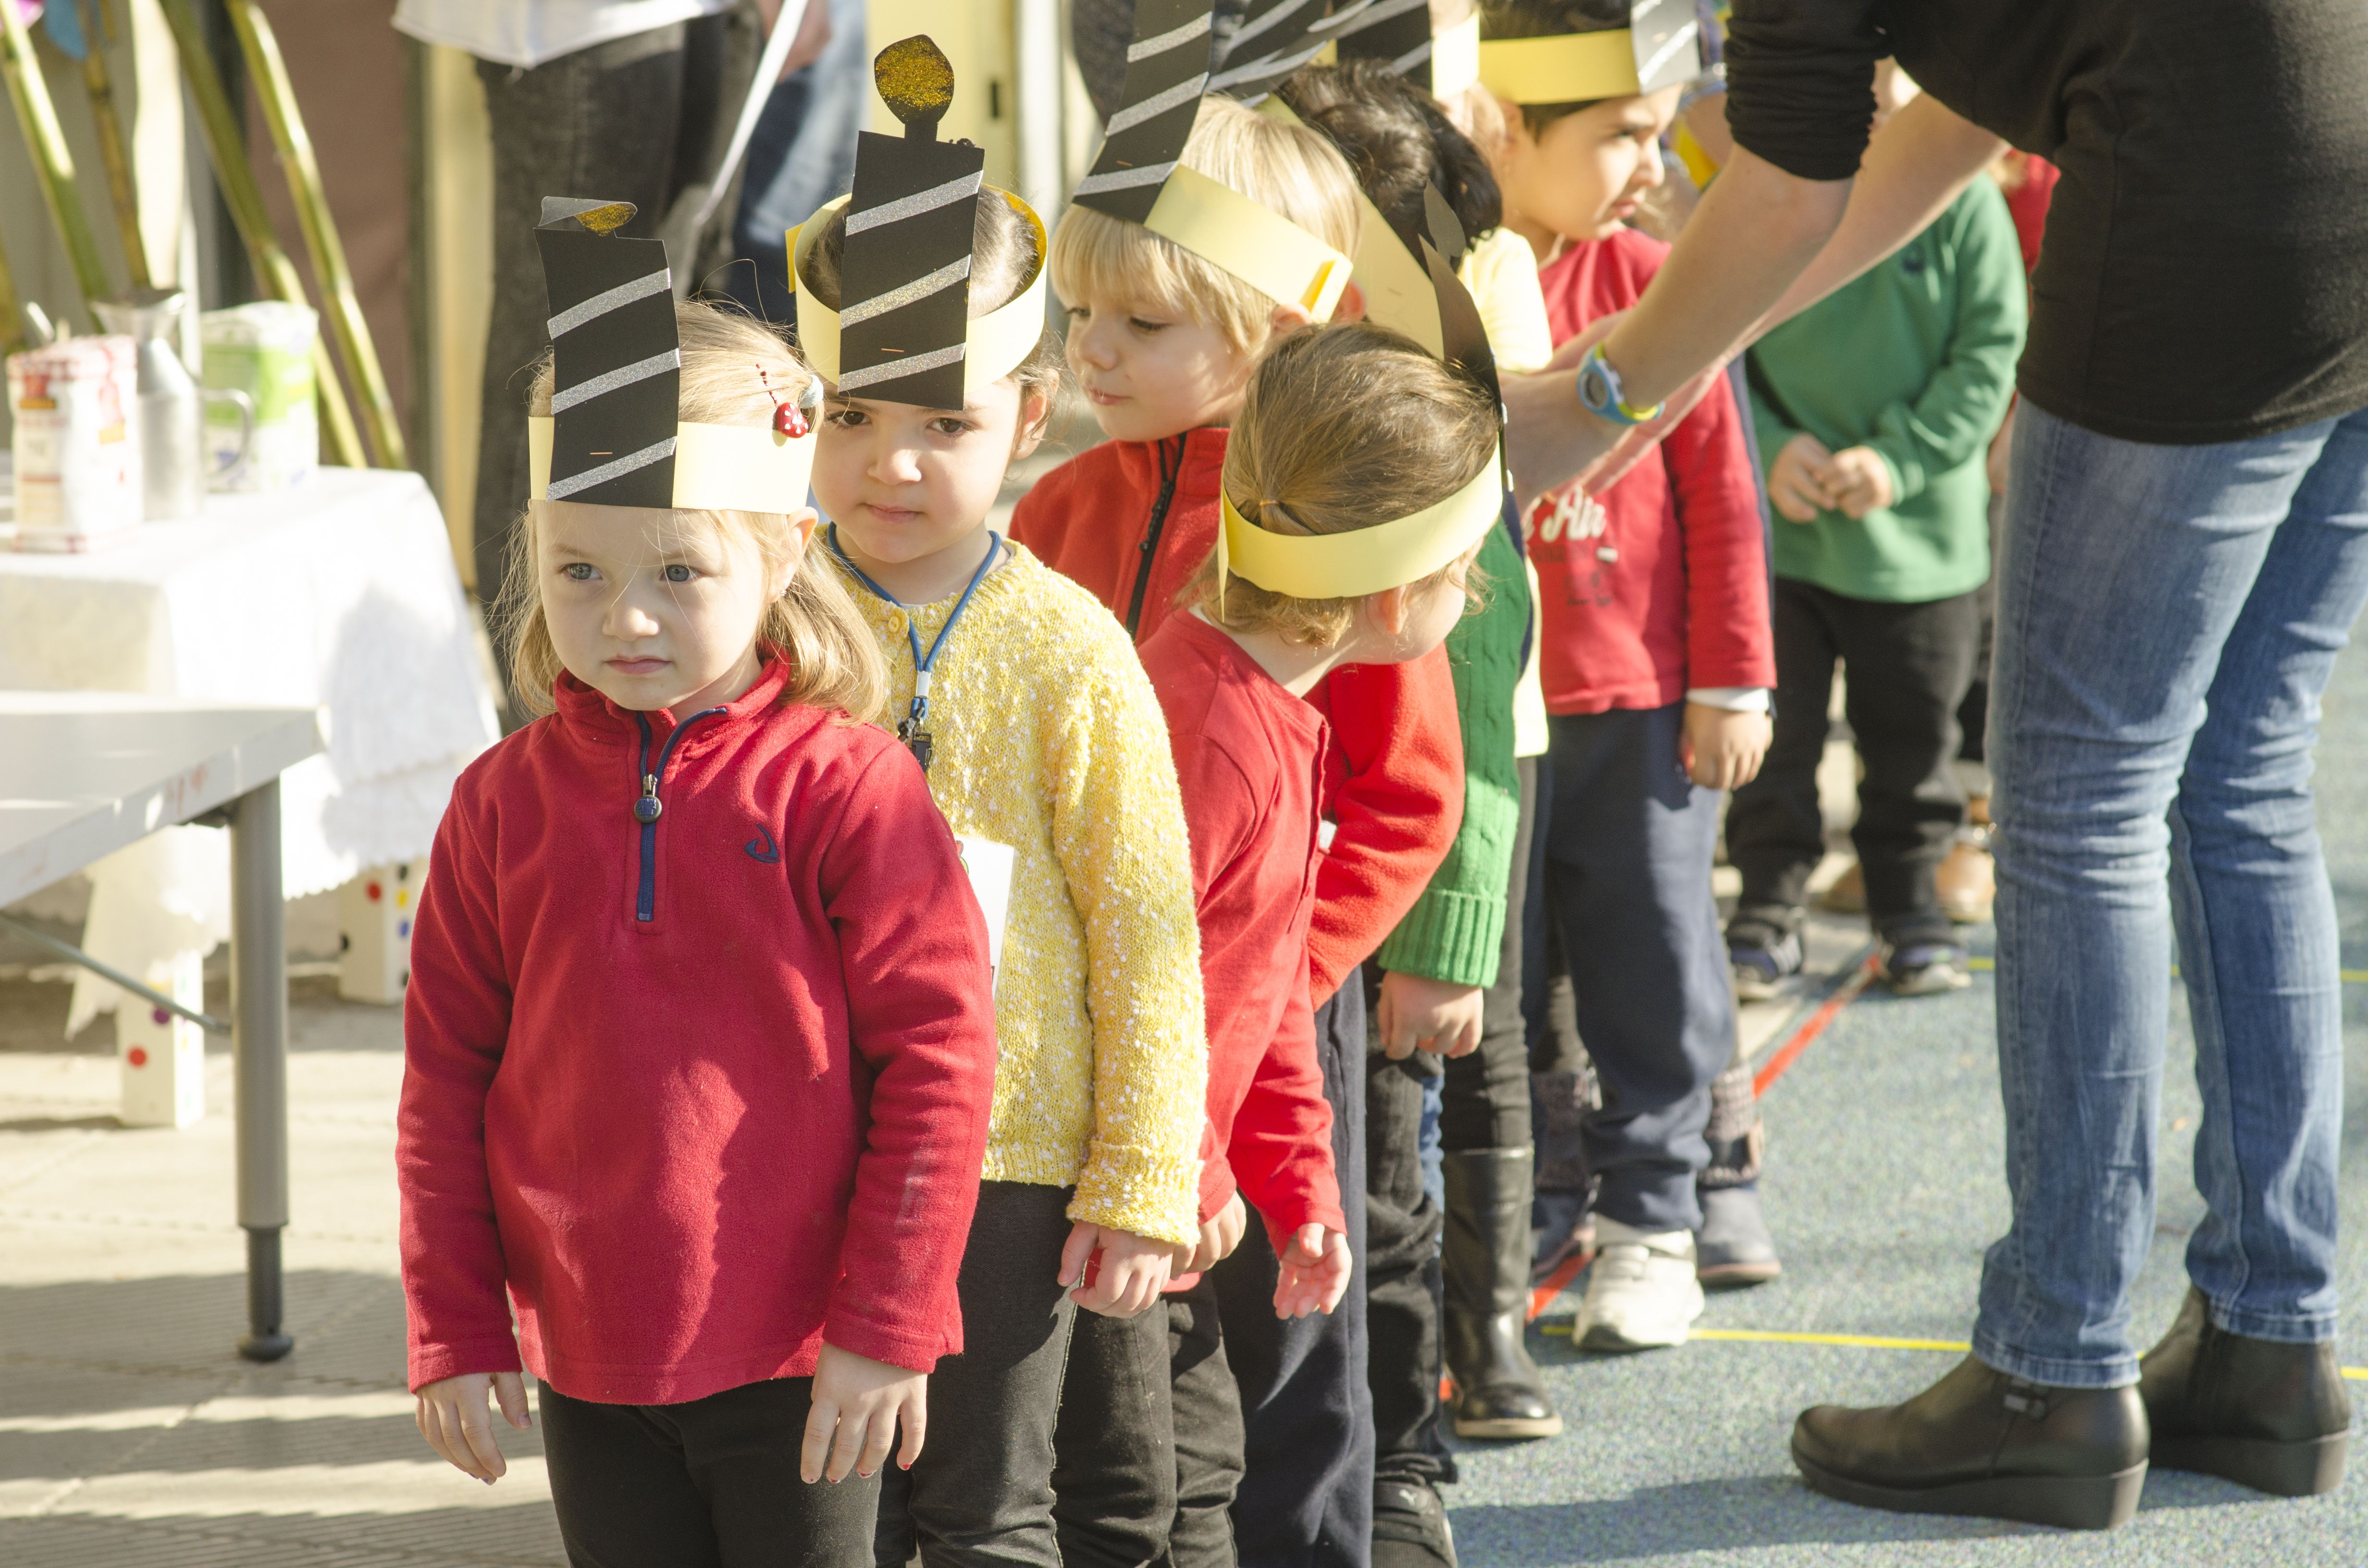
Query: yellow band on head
[[996, 344], [1250, 241], [1565, 68], [717, 468], [1365, 561]]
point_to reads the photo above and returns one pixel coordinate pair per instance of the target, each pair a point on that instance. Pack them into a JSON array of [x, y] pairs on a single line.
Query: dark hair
[[1397, 142], [1544, 19]]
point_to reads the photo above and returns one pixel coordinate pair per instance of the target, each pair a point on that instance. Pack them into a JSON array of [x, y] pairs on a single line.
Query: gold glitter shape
[[916, 80], [603, 219]]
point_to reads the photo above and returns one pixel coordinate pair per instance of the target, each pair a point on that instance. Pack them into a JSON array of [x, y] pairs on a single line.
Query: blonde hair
[[736, 370], [1289, 169], [1344, 427]]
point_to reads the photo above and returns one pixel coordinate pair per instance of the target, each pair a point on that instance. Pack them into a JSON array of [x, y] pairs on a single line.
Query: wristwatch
[[1600, 394]]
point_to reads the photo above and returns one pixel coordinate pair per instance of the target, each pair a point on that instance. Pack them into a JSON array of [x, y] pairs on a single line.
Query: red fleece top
[[701, 1094], [1396, 755], [1684, 601], [1247, 758]]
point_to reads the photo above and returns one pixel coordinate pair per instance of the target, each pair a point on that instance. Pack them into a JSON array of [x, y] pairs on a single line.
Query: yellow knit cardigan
[[1046, 736]]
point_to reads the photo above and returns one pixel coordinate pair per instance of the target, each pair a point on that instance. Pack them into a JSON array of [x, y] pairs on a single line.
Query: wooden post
[[12, 310], [111, 143], [277, 95], [227, 147], [37, 117]]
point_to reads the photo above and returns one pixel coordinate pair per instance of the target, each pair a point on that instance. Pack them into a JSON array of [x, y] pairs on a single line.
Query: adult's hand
[[1550, 437]]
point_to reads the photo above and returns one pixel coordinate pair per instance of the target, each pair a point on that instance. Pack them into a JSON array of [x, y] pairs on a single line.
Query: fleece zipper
[[647, 808], [1149, 548]]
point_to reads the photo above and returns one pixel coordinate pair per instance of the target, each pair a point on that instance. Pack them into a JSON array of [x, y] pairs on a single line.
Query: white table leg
[[259, 1044]]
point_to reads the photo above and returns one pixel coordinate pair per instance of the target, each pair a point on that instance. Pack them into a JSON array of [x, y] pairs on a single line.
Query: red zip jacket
[[1249, 761], [703, 1092], [1683, 601], [1396, 755]]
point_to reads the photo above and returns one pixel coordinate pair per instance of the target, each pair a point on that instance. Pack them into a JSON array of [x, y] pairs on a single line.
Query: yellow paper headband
[[995, 345], [1562, 68], [1365, 561], [717, 468], [1250, 241]]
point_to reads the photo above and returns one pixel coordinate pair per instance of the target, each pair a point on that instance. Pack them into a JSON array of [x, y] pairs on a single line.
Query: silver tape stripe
[[1275, 65], [904, 294], [912, 206], [609, 380], [607, 299], [1124, 179], [1678, 40], [560, 488], [1160, 43], [1410, 59], [912, 366], [1272, 19], [1341, 24], [1156, 105]]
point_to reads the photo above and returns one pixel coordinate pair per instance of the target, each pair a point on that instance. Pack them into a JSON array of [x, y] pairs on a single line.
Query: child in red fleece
[[1657, 658], [700, 1044]]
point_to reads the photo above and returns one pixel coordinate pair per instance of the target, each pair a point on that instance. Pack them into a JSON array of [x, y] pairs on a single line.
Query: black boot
[[1486, 1259], [2261, 1412], [1983, 1443]]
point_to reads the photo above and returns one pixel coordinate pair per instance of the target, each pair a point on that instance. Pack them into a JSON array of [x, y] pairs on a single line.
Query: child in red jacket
[[700, 1042], [1657, 659], [1345, 428]]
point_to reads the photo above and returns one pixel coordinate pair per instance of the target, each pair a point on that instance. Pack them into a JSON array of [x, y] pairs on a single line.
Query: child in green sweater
[[1874, 409]]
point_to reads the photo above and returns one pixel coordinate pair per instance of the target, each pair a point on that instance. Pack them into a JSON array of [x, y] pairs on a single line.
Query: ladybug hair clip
[[794, 420]]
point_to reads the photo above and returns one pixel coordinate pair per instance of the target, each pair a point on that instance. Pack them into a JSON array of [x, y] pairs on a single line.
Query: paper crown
[[1442, 62], [613, 437], [1660, 47], [1138, 177], [903, 332]]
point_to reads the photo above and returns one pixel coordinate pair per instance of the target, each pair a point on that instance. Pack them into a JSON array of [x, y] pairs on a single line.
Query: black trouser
[[708, 1484], [982, 1491], [1306, 1497], [1114, 1480], [1208, 1415], [1909, 666]]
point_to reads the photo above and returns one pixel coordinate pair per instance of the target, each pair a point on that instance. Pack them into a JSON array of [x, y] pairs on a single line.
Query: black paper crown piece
[[1395, 32], [905, 270], [1275, 39], [616, 357], [1166, 72]]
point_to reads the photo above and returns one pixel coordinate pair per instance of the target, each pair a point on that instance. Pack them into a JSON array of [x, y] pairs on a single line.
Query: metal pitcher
[[172, 405]]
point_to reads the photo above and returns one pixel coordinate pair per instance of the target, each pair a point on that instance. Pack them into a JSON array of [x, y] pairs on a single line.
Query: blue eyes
[[576, 572], [678, 574], [584, 572]]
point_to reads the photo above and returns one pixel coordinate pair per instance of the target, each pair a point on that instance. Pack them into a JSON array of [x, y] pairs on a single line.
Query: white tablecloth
[[340, 593]]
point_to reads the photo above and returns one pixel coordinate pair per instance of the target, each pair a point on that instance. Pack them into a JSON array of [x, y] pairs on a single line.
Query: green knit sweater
[[1455, 931], [1914, 359]]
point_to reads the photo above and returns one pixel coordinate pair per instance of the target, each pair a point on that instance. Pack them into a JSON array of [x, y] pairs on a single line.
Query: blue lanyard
[[910, 730]]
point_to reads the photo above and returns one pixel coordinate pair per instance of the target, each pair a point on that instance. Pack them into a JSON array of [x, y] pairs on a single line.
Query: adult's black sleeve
[[1800, 78]]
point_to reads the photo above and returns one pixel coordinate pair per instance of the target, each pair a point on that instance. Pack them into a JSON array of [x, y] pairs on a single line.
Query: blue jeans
[[2166, 619], [801, 155]]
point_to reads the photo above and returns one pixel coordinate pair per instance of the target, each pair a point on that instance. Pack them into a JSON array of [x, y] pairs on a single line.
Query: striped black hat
[[616, 360]]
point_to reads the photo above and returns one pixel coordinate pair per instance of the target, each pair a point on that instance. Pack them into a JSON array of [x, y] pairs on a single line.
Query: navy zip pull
[[647, 808]]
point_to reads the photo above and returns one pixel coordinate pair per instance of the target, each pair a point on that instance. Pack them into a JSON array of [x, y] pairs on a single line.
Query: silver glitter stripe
[[560, 488], [1156, 105], [609, 380], [904, 294], [1678, 41], [608, 300], [1348, 19], [1275, 17], [1160, 43], [1275, 65], [1124, 179], [893, 369], [1340, 23], [1410, 59], [912, 206]]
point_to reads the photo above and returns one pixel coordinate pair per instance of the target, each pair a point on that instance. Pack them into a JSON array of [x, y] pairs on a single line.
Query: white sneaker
[[1640, 1290]]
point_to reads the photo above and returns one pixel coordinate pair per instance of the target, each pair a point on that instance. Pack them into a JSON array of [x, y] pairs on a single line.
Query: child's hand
[[862, 1402], [1219, 1237], [1861, 482], [1800, 479], [1433, 1014], [1315, 1273], [1723, 749], [454, 1417], [1133, 1272]]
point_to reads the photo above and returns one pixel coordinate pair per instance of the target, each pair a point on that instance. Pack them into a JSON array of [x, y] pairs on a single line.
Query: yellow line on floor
[[2348, 976], [1851, 1341]]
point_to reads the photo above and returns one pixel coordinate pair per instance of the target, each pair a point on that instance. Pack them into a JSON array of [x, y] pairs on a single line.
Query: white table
[[339, 594], [84, 774]]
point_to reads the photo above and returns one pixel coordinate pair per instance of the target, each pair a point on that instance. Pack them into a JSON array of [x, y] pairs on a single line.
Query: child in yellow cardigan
[[1039, 733]]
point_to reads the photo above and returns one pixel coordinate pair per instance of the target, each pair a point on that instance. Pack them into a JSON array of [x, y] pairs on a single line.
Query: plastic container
[[265, 350]]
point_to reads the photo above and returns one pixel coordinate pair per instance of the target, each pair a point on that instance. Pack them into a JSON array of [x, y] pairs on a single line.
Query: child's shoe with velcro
[[1642, 1293]]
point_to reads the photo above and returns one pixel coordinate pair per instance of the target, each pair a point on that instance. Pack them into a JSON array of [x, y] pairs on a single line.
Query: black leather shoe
[[2263, 1413], [1983, 1443], [1485, 1266], [1410, 1525]]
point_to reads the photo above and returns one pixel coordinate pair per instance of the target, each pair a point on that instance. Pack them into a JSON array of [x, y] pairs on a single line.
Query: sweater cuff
[[434, 1363], [1454, 937], [1150, 1193]]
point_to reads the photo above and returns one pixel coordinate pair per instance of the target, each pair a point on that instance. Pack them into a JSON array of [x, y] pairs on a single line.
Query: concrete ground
[[130, 1434]]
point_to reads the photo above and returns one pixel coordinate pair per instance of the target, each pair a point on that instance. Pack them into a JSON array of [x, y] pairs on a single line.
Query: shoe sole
[[1967, 914], [1607, 1340], [1738, 1276], [2067, 1502], [2282, 1469], [1756, 990], [1928, 984], [1509, 1427]]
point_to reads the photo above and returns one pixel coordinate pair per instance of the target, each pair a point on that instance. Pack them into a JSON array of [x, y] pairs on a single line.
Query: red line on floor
[[1554, 1284], [1830, 1009]]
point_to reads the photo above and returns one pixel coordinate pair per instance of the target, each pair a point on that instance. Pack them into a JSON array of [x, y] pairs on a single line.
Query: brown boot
[[1966, 882]]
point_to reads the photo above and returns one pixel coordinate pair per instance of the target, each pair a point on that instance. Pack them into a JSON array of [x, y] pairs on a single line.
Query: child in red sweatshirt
[[1233, 674], [1657, 659], [700, 1042]]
